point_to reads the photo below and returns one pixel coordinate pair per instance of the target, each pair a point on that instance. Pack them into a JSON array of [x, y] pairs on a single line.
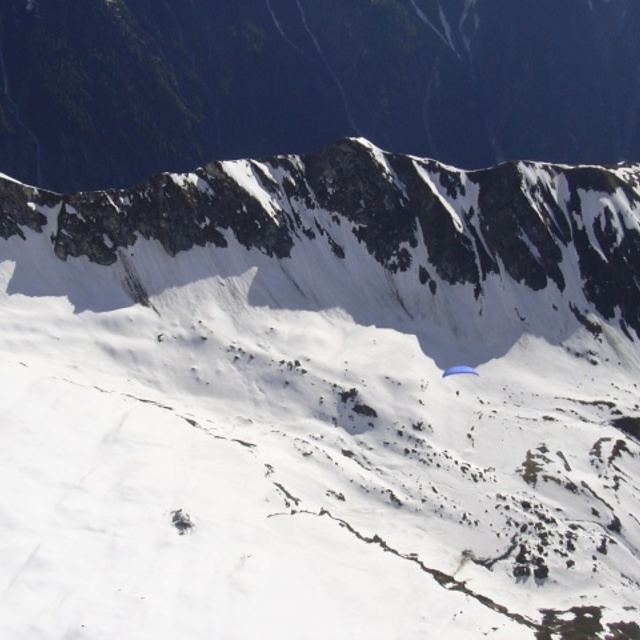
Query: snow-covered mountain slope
[[223, 412]]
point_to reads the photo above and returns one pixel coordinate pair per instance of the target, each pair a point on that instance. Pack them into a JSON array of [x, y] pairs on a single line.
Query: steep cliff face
[[106, 93], [252, 354], [569, 234]]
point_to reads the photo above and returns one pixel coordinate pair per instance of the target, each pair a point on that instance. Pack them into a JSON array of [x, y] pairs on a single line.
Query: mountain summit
[[225, 411], [568, 235]]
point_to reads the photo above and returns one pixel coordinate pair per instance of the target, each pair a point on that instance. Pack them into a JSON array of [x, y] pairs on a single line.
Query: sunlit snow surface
[[335, 485]]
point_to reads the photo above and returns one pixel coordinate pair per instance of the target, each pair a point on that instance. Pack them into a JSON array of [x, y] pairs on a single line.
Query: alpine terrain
[[223, 411]]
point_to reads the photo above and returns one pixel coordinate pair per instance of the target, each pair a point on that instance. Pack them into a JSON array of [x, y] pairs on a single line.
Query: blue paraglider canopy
[[461, 368]]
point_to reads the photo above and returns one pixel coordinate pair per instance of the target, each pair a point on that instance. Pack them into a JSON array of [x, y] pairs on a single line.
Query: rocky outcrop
[[536, 224], [18, 209]]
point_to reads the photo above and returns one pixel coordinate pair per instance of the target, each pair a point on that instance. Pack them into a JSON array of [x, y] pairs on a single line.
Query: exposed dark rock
[[346, 178], [394, 206], [288, 497], [541, 571], [594, 327], [522, 556], [181, 521], [17, 208], [615, 525], [629, 425], [623, 631], [575, 623], [179, 216], [514, 228], [364, 410]]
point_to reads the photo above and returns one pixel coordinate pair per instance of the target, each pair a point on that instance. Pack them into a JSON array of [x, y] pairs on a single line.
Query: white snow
[[243, 173], [446, 36], [231, 399], [183, 179], [437, 191], [380, 157]]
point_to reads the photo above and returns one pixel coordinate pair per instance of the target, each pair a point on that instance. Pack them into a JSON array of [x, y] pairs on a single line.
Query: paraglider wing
[[458, 369]]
